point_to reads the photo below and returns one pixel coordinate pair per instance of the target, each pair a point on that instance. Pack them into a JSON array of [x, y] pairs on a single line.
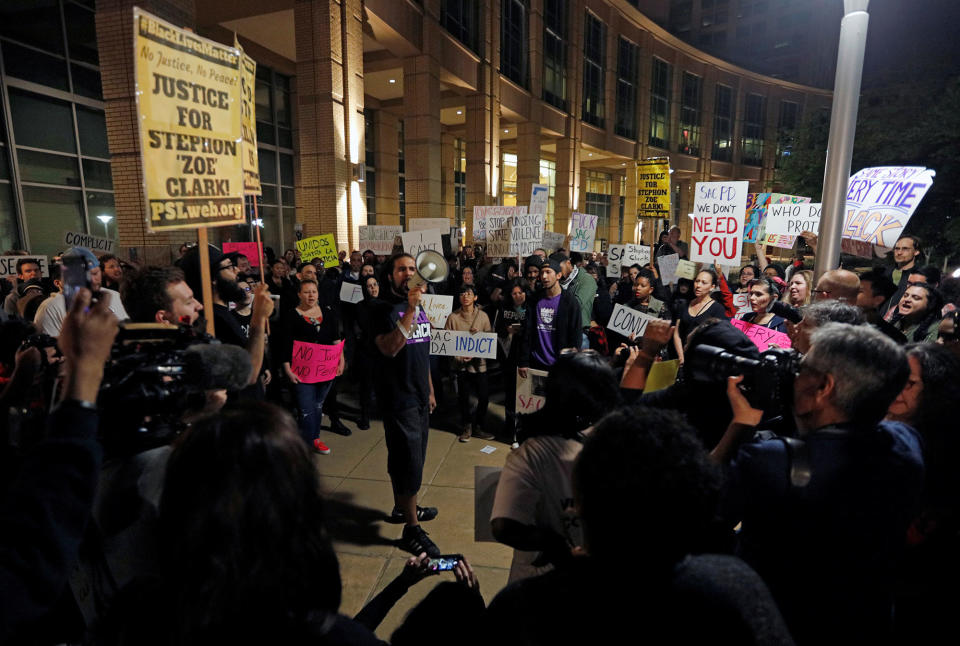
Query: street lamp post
[[843, 128], [106, 220]]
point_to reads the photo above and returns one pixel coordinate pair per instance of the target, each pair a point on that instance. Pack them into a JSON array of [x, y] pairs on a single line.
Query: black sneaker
[[338, 427], [423, 514], [416, 541], [363, 424]]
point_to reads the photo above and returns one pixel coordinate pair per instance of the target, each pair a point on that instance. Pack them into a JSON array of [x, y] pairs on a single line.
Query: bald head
[[838, 284]]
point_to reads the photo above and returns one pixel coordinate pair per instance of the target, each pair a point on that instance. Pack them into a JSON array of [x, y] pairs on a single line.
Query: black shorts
[[406, 434]]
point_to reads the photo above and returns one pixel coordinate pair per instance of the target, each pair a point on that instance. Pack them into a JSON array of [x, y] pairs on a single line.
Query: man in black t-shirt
[[402, 338]]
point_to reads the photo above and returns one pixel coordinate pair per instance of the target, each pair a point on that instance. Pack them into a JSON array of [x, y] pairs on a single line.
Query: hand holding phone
[[444, 562]]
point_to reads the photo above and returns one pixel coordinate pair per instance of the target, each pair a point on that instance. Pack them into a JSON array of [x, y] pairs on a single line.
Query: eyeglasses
[[588, 351], [825, 292]]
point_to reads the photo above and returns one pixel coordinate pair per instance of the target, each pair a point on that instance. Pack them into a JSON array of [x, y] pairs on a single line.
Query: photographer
[[824, 518], [47, 507]]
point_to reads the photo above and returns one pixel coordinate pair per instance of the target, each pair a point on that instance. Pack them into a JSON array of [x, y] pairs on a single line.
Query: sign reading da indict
[[718, 213], [450, 343]]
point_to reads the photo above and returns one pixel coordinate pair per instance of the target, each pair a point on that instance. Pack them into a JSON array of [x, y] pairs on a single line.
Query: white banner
[[627, 321], [718, 213], [93, 243], [449, 343], [378, 238]]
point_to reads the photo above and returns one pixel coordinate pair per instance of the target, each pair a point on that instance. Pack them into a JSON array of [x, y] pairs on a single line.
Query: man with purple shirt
[[405, 392], [554, 322]]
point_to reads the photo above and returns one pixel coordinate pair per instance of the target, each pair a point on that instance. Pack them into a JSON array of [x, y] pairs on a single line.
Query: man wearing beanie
[[531, 271], [553, 322], [582, 286]]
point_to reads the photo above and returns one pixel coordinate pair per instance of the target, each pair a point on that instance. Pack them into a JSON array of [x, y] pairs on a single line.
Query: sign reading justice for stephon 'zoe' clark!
[[188, 102]]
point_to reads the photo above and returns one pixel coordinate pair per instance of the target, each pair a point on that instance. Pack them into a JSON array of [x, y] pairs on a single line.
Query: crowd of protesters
[[780, 497]]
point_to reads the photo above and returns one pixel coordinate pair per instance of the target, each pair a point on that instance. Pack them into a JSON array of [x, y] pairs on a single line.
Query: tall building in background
[[793, 40]]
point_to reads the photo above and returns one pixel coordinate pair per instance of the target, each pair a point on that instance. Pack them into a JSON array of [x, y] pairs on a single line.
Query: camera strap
[[799, 469]]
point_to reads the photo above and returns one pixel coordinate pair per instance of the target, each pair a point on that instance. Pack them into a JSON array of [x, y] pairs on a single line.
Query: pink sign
[[248, 249], [763, 337], [313, 363]]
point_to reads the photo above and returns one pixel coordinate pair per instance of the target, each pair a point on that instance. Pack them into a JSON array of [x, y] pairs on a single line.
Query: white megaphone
[[431, 268]]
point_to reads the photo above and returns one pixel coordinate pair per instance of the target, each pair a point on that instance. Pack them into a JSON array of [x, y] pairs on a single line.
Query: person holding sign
[[701, 307], [405, 392], [763, 294], [310, 322], [471, 372]]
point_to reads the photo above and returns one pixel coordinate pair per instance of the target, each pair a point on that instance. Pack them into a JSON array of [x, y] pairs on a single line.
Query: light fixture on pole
[[106, 220]]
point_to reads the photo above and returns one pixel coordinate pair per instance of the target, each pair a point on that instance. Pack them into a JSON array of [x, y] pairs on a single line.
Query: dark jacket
[[568, 333]]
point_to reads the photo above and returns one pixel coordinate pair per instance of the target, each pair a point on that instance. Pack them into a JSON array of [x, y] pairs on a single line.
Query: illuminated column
[[422, 137]]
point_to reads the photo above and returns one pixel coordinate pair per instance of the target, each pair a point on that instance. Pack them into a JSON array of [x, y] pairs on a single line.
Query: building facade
[[376, 111]]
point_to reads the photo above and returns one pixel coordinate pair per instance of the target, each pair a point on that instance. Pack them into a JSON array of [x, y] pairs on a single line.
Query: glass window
[[81, 33], [96, 174], [713, 12], [35, 22], [286, 169], [690, 114], [555, 53], [513, 40], [599, 187], [626, 125], [594, 55], [754, 119], [460, 18], [86, 82], [50, 212], [264, 107], [660, 104], [548, 176], [102, 204], [268, 194], [40, 122], [36, 67], [723, 124], [92, 125], [268, 166], [45, 168], [9, 231], [508, 184], [786, 125]]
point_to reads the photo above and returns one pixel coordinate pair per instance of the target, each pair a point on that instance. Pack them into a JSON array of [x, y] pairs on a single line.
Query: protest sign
[[438, 308], [248, 249], [188, 96], [479, 224], [792, 219], [456, 236], [583, 232], [425, 224], [668, 268], [627, 321], [323, 247], [531, 391], [881, 200], [539, 198], [314, 363], [8, 265], [653, 187], [450, 343], [553, 241], [718, 213], [755, 211], [742, 303], [626, 255], [662, 375], [248, 125], [614, 257], [351, 292], [416, 241], [526, 233], [93, 243], [378, 238], [762, 337], [496, 223], [685, 269]]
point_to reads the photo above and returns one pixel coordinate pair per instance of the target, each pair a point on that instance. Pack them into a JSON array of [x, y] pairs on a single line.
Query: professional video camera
[[156, 372], [767, 383]]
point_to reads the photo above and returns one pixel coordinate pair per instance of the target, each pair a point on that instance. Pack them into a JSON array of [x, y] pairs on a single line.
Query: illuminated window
[[660, 104], [690, 114], [723, 124]]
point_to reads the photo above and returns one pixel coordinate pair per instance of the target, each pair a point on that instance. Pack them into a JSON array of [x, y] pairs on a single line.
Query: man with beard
[[160, 295], [226, 289], [402, 337], [56, 309]]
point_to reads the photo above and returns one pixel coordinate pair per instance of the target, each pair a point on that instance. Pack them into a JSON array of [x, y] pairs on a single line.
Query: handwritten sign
[[351, 292], [8, 264], [583, 232], [793, 219], [93, 243], [531, 391], [626, 255], [553, 241], [742, 303], [378, 238], [539, 198], [881, 200], [323, 247], [668, 268], [686, 269], [416, 241], [627, 321], [438, 308], [762, 337], [248, 249], [718, 212], [248, 125], [314, 363], [479, 224], [496, 224], [653, 187], [450, 343], [526, 233], [425, 224]]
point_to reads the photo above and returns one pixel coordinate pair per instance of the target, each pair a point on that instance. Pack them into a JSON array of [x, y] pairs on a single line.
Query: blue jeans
[[310, 402]]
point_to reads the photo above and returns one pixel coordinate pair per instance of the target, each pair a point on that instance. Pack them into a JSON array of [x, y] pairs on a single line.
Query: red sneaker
[[320, 447]]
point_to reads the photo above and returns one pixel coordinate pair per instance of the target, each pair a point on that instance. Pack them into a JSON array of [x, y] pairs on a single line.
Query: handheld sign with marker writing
[[450, 343], [718, 213], [314, 363], [762, 337]]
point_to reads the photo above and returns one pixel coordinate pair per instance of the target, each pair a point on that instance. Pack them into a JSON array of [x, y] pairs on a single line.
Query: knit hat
[[190, 264]]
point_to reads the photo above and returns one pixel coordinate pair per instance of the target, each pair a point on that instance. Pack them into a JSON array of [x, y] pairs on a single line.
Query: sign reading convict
[[189, 114]]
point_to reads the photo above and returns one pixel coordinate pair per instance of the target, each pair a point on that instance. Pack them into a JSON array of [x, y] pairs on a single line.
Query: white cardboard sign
[[539, 196], [450, 343], [351, 292], [719, 209], [8, 265], [378, 238], [93, 243], [416, 241], [668, 268], [530, 391], [627, 321], [583, 232], [438, 308], [792, 219], [553, 241]]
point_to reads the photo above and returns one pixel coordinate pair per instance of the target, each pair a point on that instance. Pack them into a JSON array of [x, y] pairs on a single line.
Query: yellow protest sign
[[662, 375], [248, 124], [188, 110], [653, 187], [323, 247]]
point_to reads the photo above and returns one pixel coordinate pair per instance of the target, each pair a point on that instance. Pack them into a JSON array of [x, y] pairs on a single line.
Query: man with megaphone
[[404, 387]]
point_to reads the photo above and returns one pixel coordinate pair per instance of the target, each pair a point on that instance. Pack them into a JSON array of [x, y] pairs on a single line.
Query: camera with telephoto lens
[[767, 382], [155, 373]]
